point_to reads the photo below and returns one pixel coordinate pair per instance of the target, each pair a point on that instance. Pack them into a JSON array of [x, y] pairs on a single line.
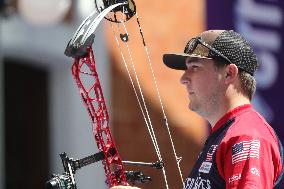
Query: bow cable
[[145, 109], [178, 159], [150, 128], [149, 125]]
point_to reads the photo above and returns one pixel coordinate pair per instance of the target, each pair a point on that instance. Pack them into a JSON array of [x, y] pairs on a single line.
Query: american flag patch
[[210, 152], [245, 150]]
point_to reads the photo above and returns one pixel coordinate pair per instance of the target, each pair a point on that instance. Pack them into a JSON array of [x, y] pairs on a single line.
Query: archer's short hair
[[248, 82]]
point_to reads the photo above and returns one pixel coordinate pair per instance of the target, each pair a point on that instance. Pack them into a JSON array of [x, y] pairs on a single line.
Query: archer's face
[[203, 82]]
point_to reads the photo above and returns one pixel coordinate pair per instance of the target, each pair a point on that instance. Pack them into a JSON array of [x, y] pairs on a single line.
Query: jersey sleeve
[[245, 162]]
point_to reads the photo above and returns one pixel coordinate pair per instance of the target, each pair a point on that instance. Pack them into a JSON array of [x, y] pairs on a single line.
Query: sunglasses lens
[[190, 46]]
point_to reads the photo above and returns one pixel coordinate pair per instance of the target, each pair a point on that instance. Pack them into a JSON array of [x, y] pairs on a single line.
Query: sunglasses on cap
[[191, 47]]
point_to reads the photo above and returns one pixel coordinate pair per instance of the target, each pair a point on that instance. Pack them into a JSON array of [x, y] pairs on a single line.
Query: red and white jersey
[[242, 152]]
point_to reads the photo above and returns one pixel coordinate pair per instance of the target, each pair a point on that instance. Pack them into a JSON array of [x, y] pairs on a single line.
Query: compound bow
[[80, 48]]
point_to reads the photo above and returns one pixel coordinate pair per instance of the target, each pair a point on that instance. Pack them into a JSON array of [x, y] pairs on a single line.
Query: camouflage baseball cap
[[227, 45]]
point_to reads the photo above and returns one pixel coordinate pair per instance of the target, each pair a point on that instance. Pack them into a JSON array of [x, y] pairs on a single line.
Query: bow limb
[[84, 35]]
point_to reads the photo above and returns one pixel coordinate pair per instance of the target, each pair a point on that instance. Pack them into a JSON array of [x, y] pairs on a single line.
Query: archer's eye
[[194, 67]]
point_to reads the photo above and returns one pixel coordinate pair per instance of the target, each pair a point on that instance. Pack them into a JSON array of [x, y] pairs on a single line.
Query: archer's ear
[[231, 72]]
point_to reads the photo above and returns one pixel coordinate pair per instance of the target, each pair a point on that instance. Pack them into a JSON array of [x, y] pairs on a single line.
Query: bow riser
[[95, 104]]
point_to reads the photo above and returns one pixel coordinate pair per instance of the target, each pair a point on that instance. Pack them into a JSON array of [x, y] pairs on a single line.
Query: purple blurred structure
[[261, 23]]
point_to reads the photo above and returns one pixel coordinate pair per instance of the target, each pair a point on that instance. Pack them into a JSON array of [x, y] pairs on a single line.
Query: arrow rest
[[136, 177]]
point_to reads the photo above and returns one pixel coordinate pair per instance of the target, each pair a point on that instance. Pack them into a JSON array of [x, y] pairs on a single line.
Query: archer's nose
[[185, 78]]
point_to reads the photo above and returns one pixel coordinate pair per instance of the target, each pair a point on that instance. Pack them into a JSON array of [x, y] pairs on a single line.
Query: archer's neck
[[227, 105]]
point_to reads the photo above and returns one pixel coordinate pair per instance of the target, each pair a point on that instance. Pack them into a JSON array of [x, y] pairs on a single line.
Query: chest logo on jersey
[[211, 152], [205, 167]]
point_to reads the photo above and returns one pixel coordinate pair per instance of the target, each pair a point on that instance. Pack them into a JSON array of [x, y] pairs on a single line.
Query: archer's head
[[219, 68]]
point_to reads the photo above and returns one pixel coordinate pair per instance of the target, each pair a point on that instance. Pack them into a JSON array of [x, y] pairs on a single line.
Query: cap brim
[[177, 60]]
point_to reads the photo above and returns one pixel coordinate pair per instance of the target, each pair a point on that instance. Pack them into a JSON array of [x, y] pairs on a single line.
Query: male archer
[[242, 150]]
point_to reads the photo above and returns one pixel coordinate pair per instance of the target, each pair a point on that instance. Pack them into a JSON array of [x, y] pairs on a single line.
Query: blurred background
[[42, 115]]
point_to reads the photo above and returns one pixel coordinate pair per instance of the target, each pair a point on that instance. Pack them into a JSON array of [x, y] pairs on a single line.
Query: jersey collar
[[231, 114]]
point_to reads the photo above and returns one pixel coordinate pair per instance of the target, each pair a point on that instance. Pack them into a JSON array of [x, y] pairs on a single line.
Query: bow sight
[[67, 180]]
